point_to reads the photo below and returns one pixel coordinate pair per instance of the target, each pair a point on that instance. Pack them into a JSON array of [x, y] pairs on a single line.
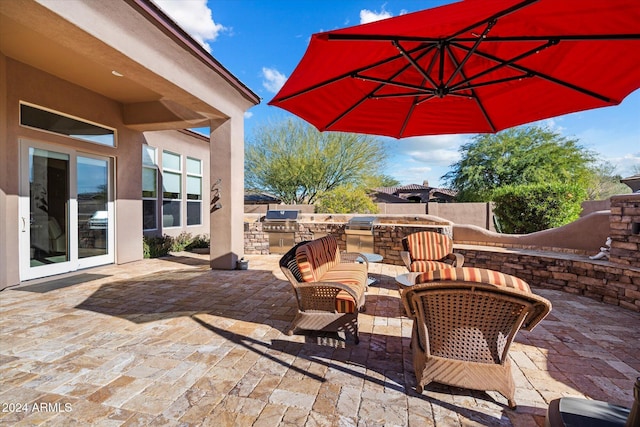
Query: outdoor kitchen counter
[[382, 219]]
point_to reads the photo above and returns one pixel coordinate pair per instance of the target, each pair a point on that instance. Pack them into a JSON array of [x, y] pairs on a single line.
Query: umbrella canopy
[[477, 66]]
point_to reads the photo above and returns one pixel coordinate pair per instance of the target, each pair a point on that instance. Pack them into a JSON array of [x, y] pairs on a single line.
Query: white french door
[[66, 210]]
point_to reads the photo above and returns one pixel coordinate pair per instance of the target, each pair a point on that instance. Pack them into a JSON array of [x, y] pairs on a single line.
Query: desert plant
[[198, 242], [535, 207], [346, 199], [181, 241], [517, 156], [156, 246]]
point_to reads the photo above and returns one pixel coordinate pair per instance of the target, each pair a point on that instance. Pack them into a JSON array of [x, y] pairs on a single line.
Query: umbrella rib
[[473, 93], [501, 64], [403, 94], [415, 64], [560, 37], [406, 119], [494, 17], [347, 74], [415, 102], [380, 37], [430, 97], [370, 94], [545, 77], [470, 52], [491, 82], [488, 39], [393, 83]]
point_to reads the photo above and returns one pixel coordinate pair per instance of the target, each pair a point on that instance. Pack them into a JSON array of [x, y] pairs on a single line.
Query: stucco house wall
[[31, 85], [186, 144], [121, 64]]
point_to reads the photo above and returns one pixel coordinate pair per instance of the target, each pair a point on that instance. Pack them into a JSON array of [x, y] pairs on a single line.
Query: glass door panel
[[93, 209], [48, 207], [66, 211]]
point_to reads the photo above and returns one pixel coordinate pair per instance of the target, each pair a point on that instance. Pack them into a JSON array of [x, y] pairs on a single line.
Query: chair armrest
[[454, 258], [310, 300], [541, 307], [406, 258], [351, 257]]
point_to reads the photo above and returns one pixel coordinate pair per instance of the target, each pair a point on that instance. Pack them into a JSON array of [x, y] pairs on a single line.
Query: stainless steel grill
[[281, 226], [359, 232]]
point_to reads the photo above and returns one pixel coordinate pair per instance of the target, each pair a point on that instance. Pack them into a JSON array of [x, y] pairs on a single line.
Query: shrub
[[346, 199], [180, 242], [200, 241], [156, 246], [522, 209]]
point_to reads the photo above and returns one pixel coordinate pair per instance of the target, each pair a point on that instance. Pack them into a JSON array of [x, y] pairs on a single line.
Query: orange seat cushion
[[480, 275], [417, 266]]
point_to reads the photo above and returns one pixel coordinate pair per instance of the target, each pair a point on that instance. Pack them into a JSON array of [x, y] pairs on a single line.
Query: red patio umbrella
[[476, 66]]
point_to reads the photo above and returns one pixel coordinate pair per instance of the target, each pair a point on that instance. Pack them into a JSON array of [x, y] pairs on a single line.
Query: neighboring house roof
[[260, 199], [401, 193], [382, 197], [403, 189], [445, 191], [633, 182]]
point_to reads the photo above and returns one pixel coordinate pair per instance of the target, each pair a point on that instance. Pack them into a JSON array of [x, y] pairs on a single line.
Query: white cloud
[[272, 79], [413, 160], [625, 165], [415, 175], [195, 17], [553, 124], [436, 149], [248, 114], [441, 157], [367, 15]]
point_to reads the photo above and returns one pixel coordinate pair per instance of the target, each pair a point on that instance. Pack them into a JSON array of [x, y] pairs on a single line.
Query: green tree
[[605, 183], [535, 207], [376, 181], [346, 199], [517, 156], [295, 162]]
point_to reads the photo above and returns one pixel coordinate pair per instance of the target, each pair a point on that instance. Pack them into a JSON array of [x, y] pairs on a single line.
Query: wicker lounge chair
[[428, 251], [329, 287], [464, 322]]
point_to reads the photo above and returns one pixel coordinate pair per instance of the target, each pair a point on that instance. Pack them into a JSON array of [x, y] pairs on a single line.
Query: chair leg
[[356, 333]]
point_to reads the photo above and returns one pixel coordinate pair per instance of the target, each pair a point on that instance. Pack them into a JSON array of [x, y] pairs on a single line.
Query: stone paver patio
[[171, 342]]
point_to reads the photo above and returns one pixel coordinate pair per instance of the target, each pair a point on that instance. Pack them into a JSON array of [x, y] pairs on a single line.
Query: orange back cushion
[[317, 257], [427, 245]]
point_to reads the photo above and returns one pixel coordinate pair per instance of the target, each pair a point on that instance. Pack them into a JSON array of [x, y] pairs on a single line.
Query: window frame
[[193, 201], [167, 170], [154, 167], [114, 132]]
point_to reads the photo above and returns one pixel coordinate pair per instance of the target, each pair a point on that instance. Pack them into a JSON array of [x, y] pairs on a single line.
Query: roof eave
[[162, 21]]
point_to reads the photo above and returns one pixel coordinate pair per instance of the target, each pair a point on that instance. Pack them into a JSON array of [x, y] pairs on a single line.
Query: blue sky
[[261, 42]]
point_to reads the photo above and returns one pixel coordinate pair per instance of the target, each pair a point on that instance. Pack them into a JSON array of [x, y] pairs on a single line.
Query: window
[[194, 191], [50, 121], [171, 189], [149, 188]]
